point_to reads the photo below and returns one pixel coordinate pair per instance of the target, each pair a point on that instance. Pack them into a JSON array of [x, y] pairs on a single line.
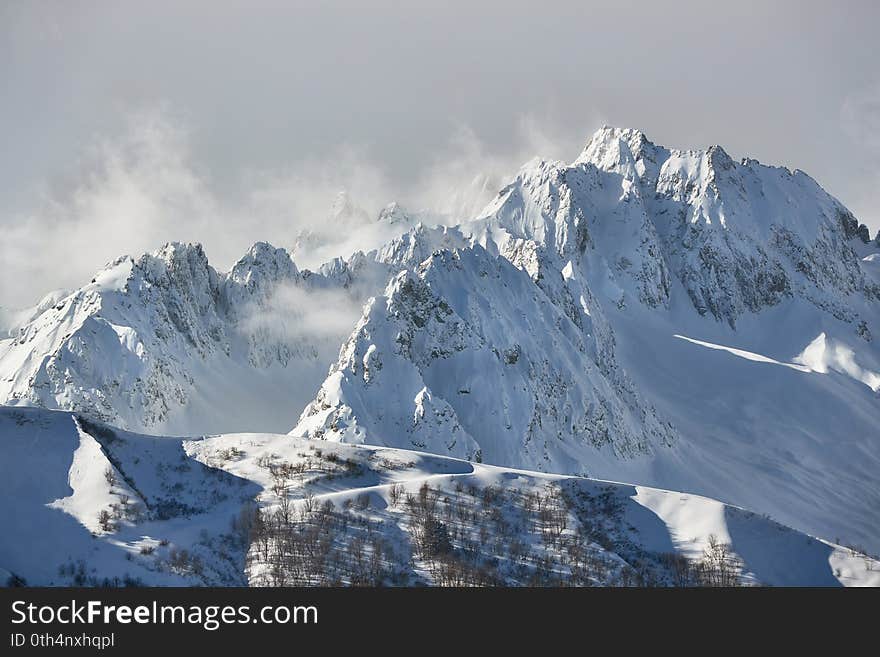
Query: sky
[[129, 124]]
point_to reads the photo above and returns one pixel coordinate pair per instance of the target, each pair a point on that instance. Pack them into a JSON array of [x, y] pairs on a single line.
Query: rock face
[[165, 343], [631, 215], [466, 356], [141, 345]]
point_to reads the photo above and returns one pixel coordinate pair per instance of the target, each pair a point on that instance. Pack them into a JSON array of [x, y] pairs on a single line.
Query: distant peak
[[344, 212], [342, 199], [343, 206], [393, 213]]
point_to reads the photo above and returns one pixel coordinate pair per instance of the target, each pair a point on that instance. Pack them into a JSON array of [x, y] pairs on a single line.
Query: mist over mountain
[[673, 318]]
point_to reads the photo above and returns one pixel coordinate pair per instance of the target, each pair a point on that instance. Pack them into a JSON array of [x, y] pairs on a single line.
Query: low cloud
[[132, 193], [467, 174], [860, 119], [294, 315]]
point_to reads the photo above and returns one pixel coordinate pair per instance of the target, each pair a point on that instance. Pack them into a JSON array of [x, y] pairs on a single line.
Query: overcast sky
[[126, 124]]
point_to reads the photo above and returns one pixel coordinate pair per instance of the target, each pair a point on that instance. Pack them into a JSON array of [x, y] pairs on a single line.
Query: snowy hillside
[[95, 505], [84, 504]]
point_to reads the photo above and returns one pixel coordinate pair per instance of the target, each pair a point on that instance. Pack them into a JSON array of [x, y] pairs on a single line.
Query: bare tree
[[720, 565], [395, 494], [105, 520]]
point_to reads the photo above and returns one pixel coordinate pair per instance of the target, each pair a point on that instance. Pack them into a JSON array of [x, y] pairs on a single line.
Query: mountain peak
[[719, 159], [609, 148], [344, 212], [619, 149], [609, 132], [173, 250], [393, 214], [263, 259]]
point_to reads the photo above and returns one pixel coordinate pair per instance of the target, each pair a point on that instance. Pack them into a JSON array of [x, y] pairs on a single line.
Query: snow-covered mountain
[[715, 318], [350, 229], [466, 356], [739, 237], [87, 504], [344, 217], [165, 343], [12, 320], [672, 318]]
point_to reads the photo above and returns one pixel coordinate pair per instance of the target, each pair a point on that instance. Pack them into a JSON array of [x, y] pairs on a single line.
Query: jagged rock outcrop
[[631, 215], [143, 340], [467, 356]]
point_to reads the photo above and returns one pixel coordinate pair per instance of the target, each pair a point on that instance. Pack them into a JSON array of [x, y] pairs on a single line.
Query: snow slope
[[190, 498], [57, 474]]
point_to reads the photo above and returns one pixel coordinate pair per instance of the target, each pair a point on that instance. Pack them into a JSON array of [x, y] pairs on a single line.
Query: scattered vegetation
[[566, 533], [470, 536]]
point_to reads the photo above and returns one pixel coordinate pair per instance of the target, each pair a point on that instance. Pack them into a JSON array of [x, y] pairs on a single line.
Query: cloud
[[132, 193], [465, 175], [860, 115], [128, 196], [860, 120], [293, 315]]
